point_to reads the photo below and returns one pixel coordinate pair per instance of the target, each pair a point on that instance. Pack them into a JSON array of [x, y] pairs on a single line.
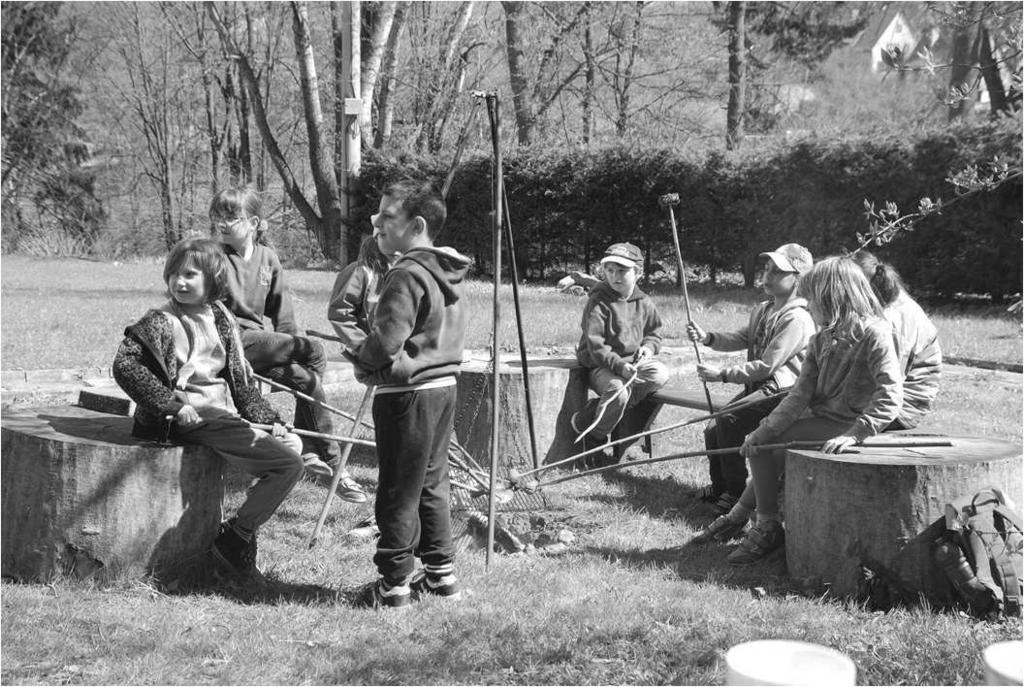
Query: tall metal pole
[[351, 66], [496, 219]]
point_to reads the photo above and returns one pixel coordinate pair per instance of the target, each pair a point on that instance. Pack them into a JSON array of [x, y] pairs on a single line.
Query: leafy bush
[[566, 207]]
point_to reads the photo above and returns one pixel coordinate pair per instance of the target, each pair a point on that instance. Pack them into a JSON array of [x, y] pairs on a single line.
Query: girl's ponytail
[[885, 280]]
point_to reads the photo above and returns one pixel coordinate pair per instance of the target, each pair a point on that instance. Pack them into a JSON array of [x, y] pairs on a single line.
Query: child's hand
[[187, 416], [278, 430], [707, 373], [749, 448], [696, 333], [642, 354], [838, 444], [628, 370]]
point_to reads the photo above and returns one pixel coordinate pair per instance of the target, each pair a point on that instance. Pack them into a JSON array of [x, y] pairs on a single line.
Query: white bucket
[[1004, 663], [784, 662]]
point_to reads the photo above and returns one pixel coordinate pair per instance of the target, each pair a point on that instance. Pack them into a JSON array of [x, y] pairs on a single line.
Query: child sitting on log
[[621, 336], [256, 292], [775, 338], [850, 388], [917, 340], [184, 361]]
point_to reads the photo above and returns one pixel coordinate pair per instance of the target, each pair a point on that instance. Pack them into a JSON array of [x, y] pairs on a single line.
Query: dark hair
[[370, 256], [885, 280], [420, 199], [205, 254], [235, 200]]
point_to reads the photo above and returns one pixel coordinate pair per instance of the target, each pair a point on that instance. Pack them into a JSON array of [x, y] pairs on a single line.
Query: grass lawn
[[627, 603]]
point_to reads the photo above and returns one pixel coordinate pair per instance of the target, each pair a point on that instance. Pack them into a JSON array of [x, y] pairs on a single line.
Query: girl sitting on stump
[[850, 388], [182, 363], [917, 340]]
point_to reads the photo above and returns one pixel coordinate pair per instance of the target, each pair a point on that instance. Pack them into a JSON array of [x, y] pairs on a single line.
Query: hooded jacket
[[146, 368], [419, 326], [353, 302], [852, 378], [614, 328], [917, 345], [775, 341]]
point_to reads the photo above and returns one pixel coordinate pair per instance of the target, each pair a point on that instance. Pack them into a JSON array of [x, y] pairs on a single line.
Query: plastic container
[[1004, 663], [784, 662]]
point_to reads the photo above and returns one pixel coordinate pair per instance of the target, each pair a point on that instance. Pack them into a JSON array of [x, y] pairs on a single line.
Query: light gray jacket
[[854, 378], [774, 358]]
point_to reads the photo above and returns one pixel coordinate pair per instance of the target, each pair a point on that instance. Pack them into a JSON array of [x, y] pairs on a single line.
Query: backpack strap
[[1007, 558]]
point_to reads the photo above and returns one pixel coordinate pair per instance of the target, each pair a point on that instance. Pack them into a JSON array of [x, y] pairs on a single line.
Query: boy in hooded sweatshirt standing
[[621, 336], [412, 355]]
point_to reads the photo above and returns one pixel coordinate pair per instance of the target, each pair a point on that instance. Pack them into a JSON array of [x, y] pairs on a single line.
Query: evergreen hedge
[[567, 206]]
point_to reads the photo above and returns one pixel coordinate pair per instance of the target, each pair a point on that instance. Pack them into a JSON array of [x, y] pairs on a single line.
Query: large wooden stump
[[82, 497], [883, 508], [554, 399]]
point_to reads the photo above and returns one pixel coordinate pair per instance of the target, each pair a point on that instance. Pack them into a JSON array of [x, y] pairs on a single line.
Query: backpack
[[980, 553]]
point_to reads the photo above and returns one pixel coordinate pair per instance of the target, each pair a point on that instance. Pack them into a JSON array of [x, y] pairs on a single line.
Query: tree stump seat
[[882, 508], [82, 497], [558, 388]]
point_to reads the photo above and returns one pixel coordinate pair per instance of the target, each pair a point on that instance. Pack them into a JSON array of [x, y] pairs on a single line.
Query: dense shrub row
[[566, 207]]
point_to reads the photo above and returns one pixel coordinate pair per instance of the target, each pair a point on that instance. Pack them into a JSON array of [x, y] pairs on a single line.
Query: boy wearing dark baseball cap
[[621, 336]]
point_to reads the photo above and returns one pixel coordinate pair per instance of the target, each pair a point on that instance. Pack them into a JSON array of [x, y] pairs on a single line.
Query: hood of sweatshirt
[[446, 265]]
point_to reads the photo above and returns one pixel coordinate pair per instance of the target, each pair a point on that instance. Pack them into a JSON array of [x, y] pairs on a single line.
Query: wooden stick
[[318, 435], [491, 99], [742, 403], [917, 443], [340, 470]]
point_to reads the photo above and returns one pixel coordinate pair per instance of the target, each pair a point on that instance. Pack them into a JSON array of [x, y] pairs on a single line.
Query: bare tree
[[737, 75], [386, 78], [534, 92], [327, 225]]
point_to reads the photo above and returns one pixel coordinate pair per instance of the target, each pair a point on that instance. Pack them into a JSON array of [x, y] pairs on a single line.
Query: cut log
[[882, 508], [81, 497], [555, 392]]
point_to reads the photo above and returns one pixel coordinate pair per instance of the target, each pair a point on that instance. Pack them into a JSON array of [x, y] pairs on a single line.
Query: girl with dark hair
[[256, 292], [917, 340]]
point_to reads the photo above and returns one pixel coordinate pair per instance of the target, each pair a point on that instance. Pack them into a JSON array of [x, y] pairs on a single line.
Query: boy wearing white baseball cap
[[621, 336]]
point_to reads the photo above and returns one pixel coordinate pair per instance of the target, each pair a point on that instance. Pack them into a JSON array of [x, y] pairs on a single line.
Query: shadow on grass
[[660, 497], [707, 564]]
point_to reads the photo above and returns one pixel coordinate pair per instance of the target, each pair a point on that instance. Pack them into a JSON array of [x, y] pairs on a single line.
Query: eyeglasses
[[229, 223]]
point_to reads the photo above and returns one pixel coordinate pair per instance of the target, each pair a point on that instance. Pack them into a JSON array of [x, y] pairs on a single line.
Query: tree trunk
[[883, 508], [385, 102], [82, 497], [589, 74], [624, 78], [441, 98], [960, 84], [522, 100], [329, 229], [998, 104], [374, 45], [737, 75]]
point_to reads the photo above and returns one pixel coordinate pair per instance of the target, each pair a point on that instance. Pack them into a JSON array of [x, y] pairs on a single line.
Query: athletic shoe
[[315, 466], [233, 552], [384, 595], [444, 586], [721, 529], [349, 490], [761, 540]]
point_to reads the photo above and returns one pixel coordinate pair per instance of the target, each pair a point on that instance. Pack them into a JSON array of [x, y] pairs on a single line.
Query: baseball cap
[[625, 254], [790, 257]]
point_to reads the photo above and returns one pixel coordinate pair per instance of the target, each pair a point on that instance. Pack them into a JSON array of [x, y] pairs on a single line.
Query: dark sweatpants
[[298, 363], [413, 429], [729, 470]]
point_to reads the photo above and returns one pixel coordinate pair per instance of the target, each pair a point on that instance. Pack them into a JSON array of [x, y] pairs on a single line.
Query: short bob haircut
[[420, 199], [838, 288], [204, 254]]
